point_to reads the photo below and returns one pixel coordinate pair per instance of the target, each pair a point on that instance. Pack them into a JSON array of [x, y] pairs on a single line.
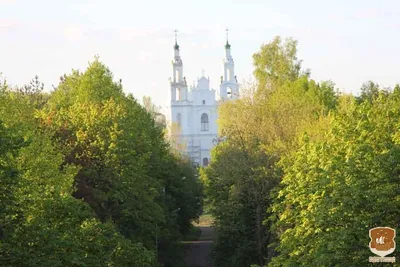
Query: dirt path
[[198, 252]]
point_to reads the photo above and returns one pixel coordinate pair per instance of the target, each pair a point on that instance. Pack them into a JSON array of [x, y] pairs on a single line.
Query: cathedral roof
[[203, 84]]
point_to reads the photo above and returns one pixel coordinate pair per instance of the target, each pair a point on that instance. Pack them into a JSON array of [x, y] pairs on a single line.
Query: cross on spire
[[202, 73]]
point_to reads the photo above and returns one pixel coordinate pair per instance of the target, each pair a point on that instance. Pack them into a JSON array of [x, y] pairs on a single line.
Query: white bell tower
[[178, 82], [229, 88]]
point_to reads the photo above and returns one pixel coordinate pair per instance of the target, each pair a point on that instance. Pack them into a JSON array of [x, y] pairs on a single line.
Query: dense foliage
[[88, 179], [336, 189], [304, 172]]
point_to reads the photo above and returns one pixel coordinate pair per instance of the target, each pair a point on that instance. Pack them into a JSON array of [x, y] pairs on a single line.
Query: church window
[[177, 77], [204, 102], [205, 161], [179, 119], [228, 72], [178, 94], [204, 122]]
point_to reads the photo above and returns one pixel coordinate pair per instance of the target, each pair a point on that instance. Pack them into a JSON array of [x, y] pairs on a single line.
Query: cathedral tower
[[178, 82], [229, 88]]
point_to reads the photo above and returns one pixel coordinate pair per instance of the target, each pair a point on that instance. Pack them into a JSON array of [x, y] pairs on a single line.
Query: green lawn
[[205, 220]]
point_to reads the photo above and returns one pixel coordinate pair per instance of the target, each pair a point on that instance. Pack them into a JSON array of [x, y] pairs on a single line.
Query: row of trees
[[87, 177], [305, 172]]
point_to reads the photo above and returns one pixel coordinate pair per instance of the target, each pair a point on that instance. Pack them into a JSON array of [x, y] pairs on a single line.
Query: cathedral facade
[[194, 110]]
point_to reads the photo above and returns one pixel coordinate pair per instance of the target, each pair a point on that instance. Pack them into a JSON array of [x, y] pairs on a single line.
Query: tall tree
[[125, 164], [260, 128], [88, 178], [43, 225], [276, 63], [338, 188], [369, 91]]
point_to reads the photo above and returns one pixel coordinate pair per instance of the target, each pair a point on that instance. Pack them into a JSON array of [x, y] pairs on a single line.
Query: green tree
[[260, 128], [88, 179], [42, 224], [125, 163], [46, 226], [238, 182], [276, 63], [336, 189], [369, 91]]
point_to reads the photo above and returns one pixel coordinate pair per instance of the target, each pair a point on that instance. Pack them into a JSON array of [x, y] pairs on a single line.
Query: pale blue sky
[[346, 41]]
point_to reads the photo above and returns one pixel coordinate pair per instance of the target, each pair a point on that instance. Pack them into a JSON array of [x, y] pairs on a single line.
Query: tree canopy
[[305, 171], [88, 178]]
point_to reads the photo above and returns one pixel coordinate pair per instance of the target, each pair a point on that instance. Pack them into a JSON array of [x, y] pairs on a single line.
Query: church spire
[[228, 56], [229, 88], [178, 82], [176, 46], [227, 45]]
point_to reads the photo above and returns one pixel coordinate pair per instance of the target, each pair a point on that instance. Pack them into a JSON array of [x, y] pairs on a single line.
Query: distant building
[[194, 111]]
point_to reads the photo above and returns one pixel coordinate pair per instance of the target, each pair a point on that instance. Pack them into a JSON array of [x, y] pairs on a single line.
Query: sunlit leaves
[[87, 178], [335, 190]]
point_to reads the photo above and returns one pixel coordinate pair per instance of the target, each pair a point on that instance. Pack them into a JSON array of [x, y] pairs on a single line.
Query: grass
[[205, 220]]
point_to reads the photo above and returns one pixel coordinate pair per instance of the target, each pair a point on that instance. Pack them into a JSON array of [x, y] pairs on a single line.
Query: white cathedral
[[194, 110]]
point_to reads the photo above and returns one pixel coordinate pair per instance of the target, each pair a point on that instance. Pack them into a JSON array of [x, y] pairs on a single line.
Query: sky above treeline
[[348, 42]]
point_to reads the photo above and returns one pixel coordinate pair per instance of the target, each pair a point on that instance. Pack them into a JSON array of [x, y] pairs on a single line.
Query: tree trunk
[[259, 235]]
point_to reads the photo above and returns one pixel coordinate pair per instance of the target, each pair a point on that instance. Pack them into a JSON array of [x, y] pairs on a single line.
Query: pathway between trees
[[198, 252]]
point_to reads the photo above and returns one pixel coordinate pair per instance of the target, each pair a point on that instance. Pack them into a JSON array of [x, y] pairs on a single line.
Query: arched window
[[229, 92], [205, 161], [204, 122], [179, 119], [178, 94]]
